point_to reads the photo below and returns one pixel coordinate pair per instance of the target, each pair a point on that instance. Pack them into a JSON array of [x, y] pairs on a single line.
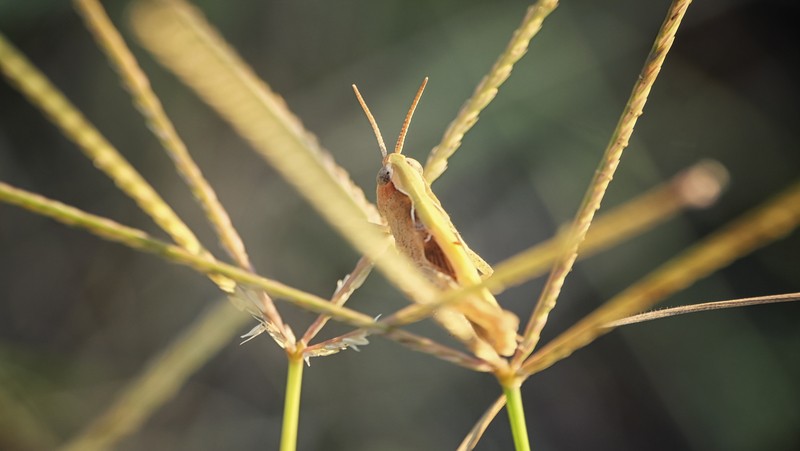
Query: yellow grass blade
[[768, 222], [138, 85], [41, 93], [137, 239], [185, 43], [487, 89], [696, 187], [603, 176]]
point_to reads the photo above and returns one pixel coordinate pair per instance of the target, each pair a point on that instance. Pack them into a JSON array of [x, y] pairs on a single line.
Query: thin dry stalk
[[410, 340], [603, 176], [435, 349], [343, 291], [137, 83], [771, 221], [474, 436], [704, 307], [161, 379], [487, 88]]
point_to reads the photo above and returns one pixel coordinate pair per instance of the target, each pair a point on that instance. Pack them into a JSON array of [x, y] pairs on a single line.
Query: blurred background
[[79, 317]]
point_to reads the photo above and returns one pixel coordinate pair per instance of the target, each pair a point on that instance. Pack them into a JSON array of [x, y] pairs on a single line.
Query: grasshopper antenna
[[398, 148], [372, 122]]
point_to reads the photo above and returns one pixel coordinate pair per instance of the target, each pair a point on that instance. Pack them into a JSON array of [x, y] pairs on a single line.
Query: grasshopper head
[[392, 161]]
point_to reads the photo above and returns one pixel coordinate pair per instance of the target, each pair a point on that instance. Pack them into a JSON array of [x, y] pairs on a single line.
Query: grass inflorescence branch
[[603, 175], [487, 89]]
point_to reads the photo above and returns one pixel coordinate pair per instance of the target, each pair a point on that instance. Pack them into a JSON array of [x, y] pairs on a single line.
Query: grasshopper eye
[[384, 175]]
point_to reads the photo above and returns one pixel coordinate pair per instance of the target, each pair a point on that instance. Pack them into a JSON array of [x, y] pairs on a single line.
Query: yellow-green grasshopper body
[[424, 232]]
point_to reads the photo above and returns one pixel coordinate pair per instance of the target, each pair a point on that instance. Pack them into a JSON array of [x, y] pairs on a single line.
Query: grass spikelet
[[694, 187], [41, 93], [603, 175], [137, 83], [140, 240], [186, 44], [487, 88], [768, 222]]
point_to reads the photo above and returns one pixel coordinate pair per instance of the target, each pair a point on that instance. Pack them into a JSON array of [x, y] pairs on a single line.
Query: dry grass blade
[[173, 29], [343, 291], [487, 88], [769, 222], [704, 307], [408, 339], [473, 437], [184, 42], [148, 104], [163, 376], [696, 187], [603, 175]]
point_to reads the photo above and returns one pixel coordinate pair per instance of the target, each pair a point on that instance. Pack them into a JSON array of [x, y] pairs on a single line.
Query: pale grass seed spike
[[423, 231]]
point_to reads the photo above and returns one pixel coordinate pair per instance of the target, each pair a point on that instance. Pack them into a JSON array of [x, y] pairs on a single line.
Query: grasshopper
[[424, 232]]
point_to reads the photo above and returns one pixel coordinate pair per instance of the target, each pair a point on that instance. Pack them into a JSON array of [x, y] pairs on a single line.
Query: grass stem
[[291, 405], [516, 416]]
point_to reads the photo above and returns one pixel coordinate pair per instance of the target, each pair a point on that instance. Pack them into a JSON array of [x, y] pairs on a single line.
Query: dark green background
[[80, 316]]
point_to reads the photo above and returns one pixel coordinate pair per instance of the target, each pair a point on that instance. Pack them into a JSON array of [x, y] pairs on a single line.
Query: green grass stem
[[516, 416], [291, 405]]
